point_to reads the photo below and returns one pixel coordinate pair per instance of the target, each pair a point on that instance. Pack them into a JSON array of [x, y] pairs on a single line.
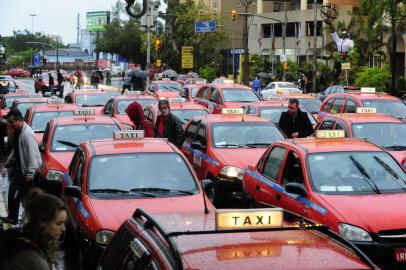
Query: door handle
[[278, 196], [257, 188]]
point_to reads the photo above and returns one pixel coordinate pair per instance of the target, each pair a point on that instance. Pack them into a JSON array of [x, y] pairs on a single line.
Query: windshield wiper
[[370, 182], [389, 170], [92, 105], [395, 147], [108, 190], [71, 144], [254, 145], [228, 145], [151, 189]]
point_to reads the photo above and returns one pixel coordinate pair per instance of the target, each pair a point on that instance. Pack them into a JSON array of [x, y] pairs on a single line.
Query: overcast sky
[[54, 17]]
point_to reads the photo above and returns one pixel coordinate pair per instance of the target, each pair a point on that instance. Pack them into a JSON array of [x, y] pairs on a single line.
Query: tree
[[374, 77]]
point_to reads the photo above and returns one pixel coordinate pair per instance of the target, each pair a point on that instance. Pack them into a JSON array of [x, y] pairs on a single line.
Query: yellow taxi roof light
[[228, 81], [330, 134], [128, 134], [368, 90], [84, 112], [232, 111], [237, 219], [366, 110]]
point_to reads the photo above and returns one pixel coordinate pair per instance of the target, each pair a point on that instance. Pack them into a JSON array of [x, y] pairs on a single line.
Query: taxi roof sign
[[275, 98], [84, 112], [368, 90], [128, 134], [134, 93], [177, 100], [55, 101], [232, 111], [237, 219], [366, 110], [228, 81], [35, 95], [330, 134]]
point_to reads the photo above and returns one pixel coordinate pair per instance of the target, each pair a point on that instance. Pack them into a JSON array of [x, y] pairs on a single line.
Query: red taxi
[[272, 110], [225, 95], [349, 102], [380, 129], [108, 179], [228, 239], [352, 186], [61, 138], [164, 89], [185, 111], [24, 103], [189, 91], [38, 117], [220, 147], [116, 106], [92, 99], [18, 72]]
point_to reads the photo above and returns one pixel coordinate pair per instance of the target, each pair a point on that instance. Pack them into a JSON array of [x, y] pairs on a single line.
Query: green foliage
[[257, 65], [374, 77], [208, 72]]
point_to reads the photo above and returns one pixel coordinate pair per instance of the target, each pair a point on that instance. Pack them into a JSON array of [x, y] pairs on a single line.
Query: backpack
[[12, 243]]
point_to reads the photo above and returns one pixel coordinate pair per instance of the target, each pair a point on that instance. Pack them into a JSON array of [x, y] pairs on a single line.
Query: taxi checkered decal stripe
[[203, 156], [278, 188], [79, 204]]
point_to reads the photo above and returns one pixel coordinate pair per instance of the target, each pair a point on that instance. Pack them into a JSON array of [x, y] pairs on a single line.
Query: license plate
[[400, 255]]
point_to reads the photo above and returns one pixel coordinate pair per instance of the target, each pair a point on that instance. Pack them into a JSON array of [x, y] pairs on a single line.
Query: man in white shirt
[[345, 44]]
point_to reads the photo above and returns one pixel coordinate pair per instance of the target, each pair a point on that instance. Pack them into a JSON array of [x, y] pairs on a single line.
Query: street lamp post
[[32, 15]]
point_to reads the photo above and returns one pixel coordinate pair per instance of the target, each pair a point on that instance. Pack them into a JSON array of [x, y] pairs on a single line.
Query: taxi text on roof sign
[[232, 111], [35, 95], [134, 93], [236, 219], [275, 98], [228, 81], [176, 100], [130, 134], [84, 112], [366, 110], [330, 134], [55, 101], [368, 89]]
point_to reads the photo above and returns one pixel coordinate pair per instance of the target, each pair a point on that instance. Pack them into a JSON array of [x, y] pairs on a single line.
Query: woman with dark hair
[[34, 248]]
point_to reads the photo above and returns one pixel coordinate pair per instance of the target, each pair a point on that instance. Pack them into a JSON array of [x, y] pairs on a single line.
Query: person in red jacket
[[136, 115]]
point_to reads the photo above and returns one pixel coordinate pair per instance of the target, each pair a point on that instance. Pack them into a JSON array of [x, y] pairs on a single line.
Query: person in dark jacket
[[50, 81], [295, 123], [169, 125], [136, 115], [60, 80]]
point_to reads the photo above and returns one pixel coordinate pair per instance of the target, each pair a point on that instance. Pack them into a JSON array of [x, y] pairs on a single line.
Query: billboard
[[96, 20]]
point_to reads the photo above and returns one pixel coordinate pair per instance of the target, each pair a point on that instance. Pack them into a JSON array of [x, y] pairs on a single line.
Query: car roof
[[133, 96], [220, 118], [366, 117], [54, 107], [140, 145], [364, 95], [90, 119], [314, 145]]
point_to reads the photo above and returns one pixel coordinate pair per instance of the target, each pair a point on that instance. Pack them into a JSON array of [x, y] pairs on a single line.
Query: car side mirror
[[41, 148], [296, 188], [73, 191], [197, 145], [207, 185]]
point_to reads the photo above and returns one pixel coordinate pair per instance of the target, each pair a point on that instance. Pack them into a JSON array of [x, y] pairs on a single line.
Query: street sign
[[37, 59], [205, 26], [187, 57], [237, 51], [158, 62], [345, 65]]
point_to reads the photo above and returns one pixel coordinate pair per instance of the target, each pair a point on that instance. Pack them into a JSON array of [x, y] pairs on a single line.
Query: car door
[[200, 162], [75, 170], [190, 136]]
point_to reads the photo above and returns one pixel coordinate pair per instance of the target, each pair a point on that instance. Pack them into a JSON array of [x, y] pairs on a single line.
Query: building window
[[310, 28], [291, 29], [215, 6]]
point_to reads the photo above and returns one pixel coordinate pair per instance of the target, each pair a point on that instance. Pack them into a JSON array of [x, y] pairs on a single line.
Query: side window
[[109, 107], [272, 86], [151, 88], [292, 172], [74, 164], [333, 90], [46, 134], [327, 124], [27, 113], [273, 163], [190, 134], [77, 180], [205, 94], [214, 95], [116, 249], [336, 108], [201, 135], [350, 106], [340, 125], [327, 105], [137, 257], [149, 115]]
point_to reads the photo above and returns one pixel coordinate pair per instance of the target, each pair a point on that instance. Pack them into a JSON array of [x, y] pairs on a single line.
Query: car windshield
[[286, 85], [356, 173], [89, 100], [244, 134], [67, 138], [239, 95], [41, 119], [186, 115], [312, 105], [274, 114], [123, 104], [8, 101], [390, 135], [158, 174], [23, 107], [396, 108], [7, 85], [169, 87]]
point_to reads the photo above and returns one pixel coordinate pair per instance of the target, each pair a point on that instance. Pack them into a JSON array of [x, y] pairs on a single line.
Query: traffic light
[[233, 15], [157, 44]]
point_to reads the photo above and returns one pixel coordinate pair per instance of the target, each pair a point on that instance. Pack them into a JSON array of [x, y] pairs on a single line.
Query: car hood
[[168, 94], [111, 213], [60, 161], [124, 119], [373, 213], [235, 104], [240, 157], [400, 156]]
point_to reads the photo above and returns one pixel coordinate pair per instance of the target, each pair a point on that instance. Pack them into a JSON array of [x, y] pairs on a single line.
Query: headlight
[[232, 173], [352, 233], [127, 127], [103, 237], [54, 175]]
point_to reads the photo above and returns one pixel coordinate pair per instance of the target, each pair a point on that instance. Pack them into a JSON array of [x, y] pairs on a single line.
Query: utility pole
[[314, 46], [32, 15], [149, 19], [246, 4], [284, 38]]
